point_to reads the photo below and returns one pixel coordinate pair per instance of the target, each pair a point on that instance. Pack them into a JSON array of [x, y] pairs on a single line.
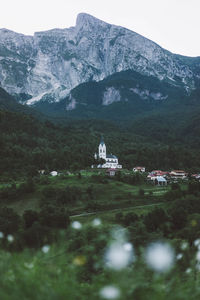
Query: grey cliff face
[[55, 61]]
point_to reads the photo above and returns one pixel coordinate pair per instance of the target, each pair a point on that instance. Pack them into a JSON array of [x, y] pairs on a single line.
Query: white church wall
[[111, 161]]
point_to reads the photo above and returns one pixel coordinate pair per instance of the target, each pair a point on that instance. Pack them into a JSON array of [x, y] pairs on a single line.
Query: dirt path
[[116, 210]]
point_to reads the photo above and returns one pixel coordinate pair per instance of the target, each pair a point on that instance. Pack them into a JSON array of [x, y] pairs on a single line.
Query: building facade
[[111, 161]]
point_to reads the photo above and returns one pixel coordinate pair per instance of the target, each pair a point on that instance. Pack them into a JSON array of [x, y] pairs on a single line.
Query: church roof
[[111, 156]]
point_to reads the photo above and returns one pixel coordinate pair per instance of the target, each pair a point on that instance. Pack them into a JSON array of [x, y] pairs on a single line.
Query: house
[[158, 173], [41, 172], [153, 174], [178, 174], [54, 173], [196, 176], [111, 172], [159, 180], [111, 161], [139, 169]]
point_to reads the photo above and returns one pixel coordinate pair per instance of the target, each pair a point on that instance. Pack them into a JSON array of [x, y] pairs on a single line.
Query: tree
[[155, 219], [178, 218], [130, 218], [30, 217], [37, 235], [9, 221], [141, 192], [54, 217]]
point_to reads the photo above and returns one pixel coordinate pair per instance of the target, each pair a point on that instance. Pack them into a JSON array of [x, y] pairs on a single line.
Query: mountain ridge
[[51, 63]]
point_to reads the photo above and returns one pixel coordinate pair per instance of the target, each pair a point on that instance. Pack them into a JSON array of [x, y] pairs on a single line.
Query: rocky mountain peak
[[50, 64], [85, 20]]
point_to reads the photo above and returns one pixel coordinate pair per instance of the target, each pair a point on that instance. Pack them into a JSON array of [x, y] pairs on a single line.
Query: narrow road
[[115, 210]]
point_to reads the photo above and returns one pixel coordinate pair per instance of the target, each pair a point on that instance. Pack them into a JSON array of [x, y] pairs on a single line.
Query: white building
[[139, 169], [158, 180], [111, 161], [178, 174], [54, 173]]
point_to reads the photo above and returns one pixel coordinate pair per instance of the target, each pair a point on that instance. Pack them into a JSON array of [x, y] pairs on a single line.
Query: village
[[156, 177], [108, 164]]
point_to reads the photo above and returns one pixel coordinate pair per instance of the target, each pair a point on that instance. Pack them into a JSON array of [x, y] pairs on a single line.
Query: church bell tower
[[102, 149]]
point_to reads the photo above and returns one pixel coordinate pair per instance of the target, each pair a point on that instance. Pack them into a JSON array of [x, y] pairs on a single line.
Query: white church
[[111, 161]]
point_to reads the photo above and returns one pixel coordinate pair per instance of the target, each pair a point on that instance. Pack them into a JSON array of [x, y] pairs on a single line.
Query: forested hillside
[[28, 145], [144, 105], [9, 103]]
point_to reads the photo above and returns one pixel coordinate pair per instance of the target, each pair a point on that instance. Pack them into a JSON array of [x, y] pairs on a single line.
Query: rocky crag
[[48, 65]]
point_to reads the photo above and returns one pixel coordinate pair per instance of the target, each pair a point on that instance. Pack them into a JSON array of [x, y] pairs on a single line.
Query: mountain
[[121, 96], [157, 132], [50, 64], [140, 104], [9, 103]]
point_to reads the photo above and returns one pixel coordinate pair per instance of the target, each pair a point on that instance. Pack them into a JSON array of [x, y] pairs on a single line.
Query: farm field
[[96, 192], [57, 233]]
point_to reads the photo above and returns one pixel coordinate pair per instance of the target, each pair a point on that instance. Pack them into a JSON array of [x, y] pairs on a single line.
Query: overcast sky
[[173, 24]]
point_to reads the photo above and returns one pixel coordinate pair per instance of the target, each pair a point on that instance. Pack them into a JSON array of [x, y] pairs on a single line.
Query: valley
[[76, 222]]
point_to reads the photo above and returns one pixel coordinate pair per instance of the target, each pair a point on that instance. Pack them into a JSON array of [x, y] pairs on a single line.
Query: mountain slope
[[142, 104], [121, 96], [8, 103], [51, 63]]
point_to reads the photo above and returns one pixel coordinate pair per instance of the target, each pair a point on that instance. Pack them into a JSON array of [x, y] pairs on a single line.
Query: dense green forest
[[29, 145]]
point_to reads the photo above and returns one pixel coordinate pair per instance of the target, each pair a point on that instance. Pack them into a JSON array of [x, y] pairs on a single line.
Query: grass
[[30, 202], [109, 215], [74, 268], [107, 196]]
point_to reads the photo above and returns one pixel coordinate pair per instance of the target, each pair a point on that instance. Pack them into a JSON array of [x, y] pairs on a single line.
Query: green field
[[109, 195], [43, 258]]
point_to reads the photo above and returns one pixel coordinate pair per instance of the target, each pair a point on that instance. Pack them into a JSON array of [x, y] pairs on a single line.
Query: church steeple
[[102, 149]]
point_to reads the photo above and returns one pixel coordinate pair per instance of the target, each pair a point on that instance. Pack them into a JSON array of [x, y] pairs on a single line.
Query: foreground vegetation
[[51, 248], [97, 259]]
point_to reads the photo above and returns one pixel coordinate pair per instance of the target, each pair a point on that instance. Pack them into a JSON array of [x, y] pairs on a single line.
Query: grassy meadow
[[85, 235]]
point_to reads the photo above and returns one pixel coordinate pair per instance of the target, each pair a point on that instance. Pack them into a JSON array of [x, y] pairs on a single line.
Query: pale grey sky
[[173, 24]]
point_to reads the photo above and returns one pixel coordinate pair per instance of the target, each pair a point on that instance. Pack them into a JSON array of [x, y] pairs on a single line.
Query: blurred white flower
[[128, 247], [76, 225], [160, 256], [197, 242], [118, 255], [10, 275], [96, 222], [198, 256], [184, 245], [10, 238], [198, 266], [188, 271], [45, 249], [1, 235], [179, 256], [29, 265], [110, 292]]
